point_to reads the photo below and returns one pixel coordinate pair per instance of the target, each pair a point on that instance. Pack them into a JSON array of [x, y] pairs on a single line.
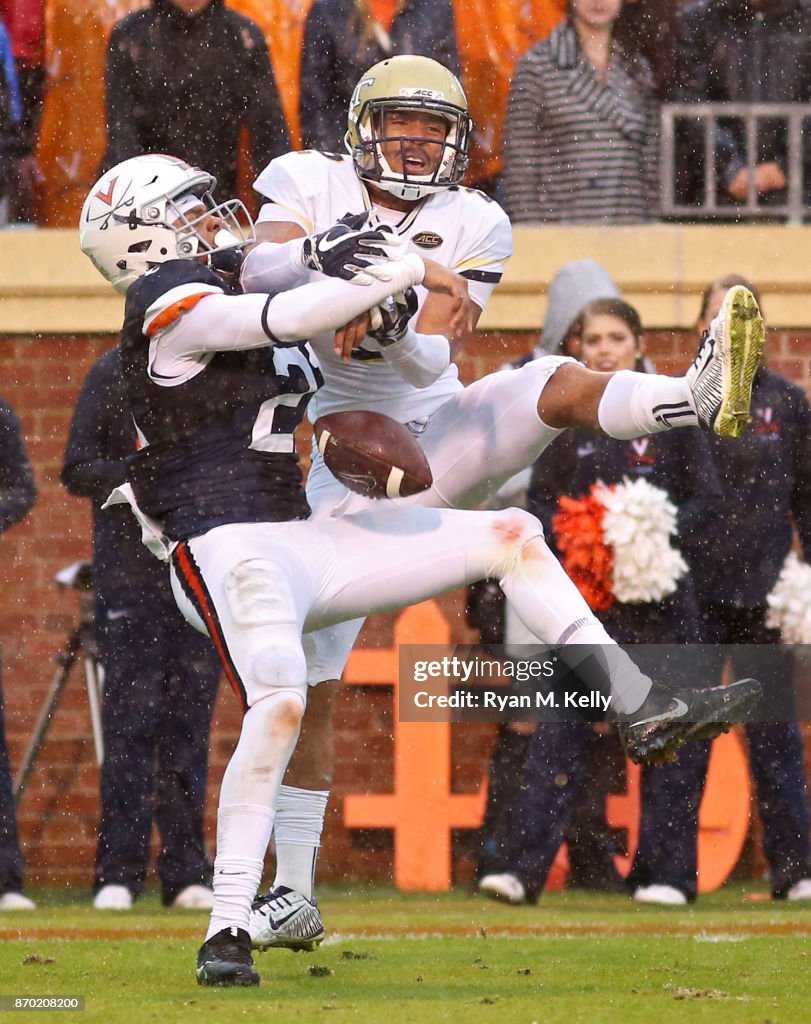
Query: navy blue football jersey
[[216, 444]]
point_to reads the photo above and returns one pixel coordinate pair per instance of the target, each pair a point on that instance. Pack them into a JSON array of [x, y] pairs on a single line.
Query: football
[[372, 454]]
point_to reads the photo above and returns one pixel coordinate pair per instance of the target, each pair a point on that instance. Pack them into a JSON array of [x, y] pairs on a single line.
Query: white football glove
[[405, 272]]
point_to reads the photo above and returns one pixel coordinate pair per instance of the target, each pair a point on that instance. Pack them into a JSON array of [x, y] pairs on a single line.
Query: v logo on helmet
[[107, 196]]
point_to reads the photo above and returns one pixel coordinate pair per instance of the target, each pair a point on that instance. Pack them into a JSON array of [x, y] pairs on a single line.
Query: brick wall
[[58, 813]]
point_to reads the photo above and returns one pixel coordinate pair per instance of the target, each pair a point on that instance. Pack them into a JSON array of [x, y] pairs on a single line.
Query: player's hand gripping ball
[[372, 454]]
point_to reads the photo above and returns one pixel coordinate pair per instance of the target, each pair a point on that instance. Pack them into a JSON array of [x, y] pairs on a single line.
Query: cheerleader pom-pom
[[789, 607], [587, 560], [615, 544], [638, 525]]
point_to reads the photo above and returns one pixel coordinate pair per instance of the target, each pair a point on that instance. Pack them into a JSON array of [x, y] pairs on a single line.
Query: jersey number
[[299, 378]]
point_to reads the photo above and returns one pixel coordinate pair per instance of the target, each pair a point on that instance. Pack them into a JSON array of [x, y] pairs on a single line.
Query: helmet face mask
[[147, 210], [420, 86]]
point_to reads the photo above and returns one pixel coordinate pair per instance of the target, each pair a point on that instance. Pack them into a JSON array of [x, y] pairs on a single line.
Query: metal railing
[[707, 115]]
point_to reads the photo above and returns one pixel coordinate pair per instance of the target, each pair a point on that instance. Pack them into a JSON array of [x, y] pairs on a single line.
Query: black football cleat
[[666, 721], [225, 959]]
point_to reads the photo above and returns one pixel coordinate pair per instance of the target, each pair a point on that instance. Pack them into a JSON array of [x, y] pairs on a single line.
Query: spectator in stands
[[184, 77], [160, 676], [581, 132], [24, 21], [742, 51], [649, 27], [609, 337], [768, 474], [12, 146], [491, 38], [342, 38], [17, 494]]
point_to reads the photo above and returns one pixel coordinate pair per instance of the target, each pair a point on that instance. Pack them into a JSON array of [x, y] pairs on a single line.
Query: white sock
[[629, 687], [248, 795], [297, 832], [241, 830], [636, 404], [554, 610]]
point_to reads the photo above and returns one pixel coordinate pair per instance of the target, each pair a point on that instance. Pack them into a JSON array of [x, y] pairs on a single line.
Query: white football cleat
[[723, 371], [285, 919], [16, 901], [194, 897], [113, 897], [664, 895], [506, 887]]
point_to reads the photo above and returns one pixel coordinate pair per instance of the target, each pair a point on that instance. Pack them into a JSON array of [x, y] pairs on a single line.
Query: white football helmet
[[135, 217], [415, 83]]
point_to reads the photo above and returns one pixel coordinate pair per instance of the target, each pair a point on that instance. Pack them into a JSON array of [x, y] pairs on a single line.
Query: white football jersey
[[460, 228]]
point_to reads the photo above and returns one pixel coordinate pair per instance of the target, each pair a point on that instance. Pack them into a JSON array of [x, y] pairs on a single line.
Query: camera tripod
[[81, 640]]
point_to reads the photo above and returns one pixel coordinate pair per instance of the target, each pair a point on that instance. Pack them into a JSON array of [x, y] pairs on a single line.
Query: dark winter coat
[[102, 435], [729, 51], [17, 491], [187, 85], [766, 480]]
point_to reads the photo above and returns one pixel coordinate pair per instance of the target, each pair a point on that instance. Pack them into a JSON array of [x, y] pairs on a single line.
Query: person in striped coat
[[581, 134]]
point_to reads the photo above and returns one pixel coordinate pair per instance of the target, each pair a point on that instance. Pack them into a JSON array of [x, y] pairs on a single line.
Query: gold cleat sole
[[745, 337]]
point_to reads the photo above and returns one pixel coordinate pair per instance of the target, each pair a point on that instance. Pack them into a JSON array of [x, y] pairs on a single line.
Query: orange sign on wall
[[422, 811]]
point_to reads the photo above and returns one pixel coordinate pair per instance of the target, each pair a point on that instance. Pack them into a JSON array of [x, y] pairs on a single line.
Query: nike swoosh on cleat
[[277, 922], [678, 710]]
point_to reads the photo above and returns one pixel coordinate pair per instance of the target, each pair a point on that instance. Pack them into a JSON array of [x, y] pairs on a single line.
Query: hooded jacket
[[577, 284], [187, 85]]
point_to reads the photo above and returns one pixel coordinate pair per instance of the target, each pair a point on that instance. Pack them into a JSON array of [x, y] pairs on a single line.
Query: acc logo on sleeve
[[427, 240]]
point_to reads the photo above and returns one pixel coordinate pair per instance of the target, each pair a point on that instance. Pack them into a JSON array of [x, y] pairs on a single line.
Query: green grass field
[[394, 957]]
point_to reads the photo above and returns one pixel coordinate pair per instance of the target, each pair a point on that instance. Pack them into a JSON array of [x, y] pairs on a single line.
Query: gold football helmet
[[413, 83]]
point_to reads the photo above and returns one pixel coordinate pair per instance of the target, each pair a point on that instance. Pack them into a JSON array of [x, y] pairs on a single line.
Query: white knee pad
[[278, 667], [262, 607]]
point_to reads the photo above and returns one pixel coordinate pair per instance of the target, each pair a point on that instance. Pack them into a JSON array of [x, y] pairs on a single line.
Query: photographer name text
[[485, 699]]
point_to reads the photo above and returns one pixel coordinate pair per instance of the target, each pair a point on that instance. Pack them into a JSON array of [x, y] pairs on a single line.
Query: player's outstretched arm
[[220, 322], [285, 257], [326, 305], [419, 359]]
